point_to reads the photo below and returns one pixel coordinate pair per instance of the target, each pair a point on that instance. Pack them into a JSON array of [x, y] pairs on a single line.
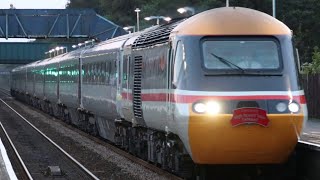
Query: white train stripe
[[221, 93], [240, 93]]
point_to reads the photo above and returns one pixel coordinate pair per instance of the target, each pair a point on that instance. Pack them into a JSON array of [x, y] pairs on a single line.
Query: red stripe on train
[[162, 97]]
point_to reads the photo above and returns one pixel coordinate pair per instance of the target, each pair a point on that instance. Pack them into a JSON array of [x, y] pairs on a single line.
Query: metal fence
[[312, 91]]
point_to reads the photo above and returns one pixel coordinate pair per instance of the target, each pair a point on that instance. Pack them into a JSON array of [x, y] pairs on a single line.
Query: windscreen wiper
[[226, 62]]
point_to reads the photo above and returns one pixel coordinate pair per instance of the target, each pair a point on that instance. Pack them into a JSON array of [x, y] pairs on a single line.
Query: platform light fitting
[[186, 9]]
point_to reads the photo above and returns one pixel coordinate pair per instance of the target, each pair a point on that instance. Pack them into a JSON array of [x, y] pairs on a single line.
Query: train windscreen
[[241, 54]]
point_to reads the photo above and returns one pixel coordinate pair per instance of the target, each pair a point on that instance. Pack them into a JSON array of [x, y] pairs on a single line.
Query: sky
[[33, 4]]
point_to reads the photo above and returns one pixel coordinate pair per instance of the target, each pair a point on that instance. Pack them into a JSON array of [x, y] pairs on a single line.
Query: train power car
[[220, 87]]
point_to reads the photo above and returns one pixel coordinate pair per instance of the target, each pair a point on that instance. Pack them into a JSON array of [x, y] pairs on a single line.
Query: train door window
[[102, 79], [92, 73], [179, 64], [113, 72], [96, 73], [100, 73], [107, 73], [96, 65], [125, 66], [84, 75], [87, 73]]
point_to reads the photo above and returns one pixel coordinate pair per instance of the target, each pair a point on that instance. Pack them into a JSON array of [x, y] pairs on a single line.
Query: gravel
[[103, 162]]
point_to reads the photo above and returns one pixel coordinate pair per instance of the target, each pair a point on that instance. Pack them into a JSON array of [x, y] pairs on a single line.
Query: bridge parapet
[[56, 23]]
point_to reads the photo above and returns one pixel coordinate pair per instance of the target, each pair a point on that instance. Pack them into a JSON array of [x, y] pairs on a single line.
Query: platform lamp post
[[130, 27], [50, 53], [274, 8], [158, 18], [57, 49], [186, 9], [137, 10], [62, 49]]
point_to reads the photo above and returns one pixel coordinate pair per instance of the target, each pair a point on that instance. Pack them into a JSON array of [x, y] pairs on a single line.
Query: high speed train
[[220, 87]]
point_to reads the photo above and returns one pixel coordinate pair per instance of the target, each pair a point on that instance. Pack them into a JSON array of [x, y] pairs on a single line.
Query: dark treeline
[[301, 16]]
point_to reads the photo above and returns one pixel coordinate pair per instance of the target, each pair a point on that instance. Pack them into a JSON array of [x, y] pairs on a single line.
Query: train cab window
[[241, 54], [179, 63]]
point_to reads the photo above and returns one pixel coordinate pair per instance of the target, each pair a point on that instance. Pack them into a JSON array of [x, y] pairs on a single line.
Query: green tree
[[314, 66]]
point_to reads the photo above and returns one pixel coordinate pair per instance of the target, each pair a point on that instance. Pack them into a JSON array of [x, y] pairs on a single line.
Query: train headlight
[[200, 107], [213, 107], [210, 107], [281, 107], [294, 107]]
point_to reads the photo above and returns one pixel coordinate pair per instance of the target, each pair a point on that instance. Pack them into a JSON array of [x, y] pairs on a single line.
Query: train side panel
[[154, 93], [51, 82], [99, 84], [69, 82]]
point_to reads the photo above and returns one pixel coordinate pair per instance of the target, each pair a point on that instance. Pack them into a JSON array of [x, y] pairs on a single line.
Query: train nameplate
[[249, 116]]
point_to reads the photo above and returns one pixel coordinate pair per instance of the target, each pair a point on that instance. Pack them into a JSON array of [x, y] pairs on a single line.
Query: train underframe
[[160, 148]]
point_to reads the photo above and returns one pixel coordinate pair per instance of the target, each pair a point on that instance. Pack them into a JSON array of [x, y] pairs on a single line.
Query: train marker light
[[294, 107], [210, 107], [200, 107], [281, 107]]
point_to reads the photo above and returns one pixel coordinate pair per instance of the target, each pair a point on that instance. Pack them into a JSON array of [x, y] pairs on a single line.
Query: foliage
[[301, 16], [314, 66]]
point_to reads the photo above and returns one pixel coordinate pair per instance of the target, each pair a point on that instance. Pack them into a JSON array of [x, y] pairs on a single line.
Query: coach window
[[179, 63]]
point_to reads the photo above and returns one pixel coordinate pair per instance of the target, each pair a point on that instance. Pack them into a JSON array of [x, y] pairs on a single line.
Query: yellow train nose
[[213, 139]]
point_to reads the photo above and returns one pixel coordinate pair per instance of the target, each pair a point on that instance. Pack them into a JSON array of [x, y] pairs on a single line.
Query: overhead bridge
[[56, 23]]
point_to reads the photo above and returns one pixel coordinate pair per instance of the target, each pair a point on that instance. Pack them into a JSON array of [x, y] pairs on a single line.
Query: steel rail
[[4, 91], [309, 144], [16, 152], [52, 142]]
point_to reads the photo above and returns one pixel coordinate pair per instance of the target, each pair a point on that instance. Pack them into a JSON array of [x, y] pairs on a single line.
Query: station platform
[[6, 170], [311, 131]]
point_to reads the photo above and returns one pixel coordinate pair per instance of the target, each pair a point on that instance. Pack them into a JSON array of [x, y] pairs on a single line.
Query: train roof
[[231, 21]]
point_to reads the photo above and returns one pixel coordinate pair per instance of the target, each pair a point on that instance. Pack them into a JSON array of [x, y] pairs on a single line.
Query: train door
[[119, 64], [125, 87], [169, 98]]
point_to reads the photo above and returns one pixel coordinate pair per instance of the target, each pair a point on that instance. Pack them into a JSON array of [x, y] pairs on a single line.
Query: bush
[[314, 66]]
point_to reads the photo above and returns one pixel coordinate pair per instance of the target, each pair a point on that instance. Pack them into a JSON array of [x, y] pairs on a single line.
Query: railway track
[[112, 147], [4, 91], [20, 168], [42, 157]]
